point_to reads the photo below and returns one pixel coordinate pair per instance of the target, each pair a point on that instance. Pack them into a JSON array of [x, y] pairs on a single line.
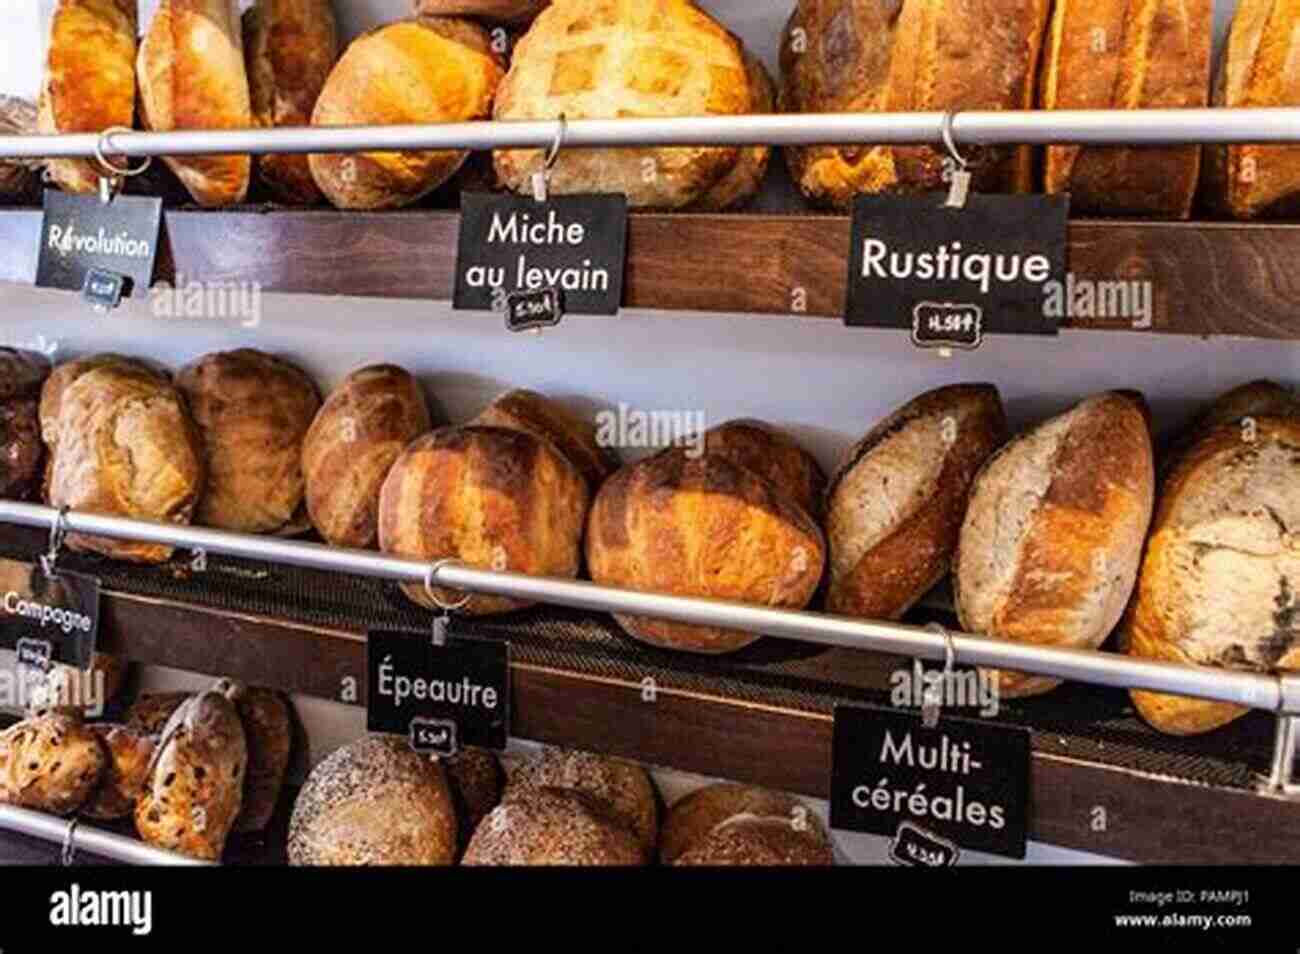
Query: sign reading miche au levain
[[964, 781], [576, 245], [949, 276], [81, 233], [60, 610], [440, 697]]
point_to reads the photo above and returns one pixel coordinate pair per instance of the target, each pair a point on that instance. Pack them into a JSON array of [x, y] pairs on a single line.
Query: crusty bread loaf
[[842, 56], [1257, 69], [150, 713], [87, 691], [756, 842], [89, 83], [489, 497], [425, 70], [18, 177], [498, 11], [895, 505], [553, 826], [126, 773], [1053, 535], [623, 787], [745, 179], [195, 786], [474, 779], [253, 410], [22, 452], [1113, 54], [374, 802], [268, 737], [698, 815], [608, 59], [362, 428], [52, 763], [773, 455], [126, 447], [1254, 399], [1220, 582], [538, 415], [701, 527], [192, 76], [289, 49]]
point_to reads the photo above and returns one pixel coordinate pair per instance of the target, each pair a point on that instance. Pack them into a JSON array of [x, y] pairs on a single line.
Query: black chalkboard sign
[[80, 234], [48, 618]]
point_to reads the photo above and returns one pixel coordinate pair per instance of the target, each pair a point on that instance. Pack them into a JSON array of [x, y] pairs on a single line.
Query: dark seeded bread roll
[[751, 841], [695, 817], [553, 826]]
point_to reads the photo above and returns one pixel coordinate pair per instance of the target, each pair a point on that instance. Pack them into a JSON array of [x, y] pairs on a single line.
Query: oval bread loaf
[[773, 455], [751, 841], [1251, 400], [553, 826], [538, 415], [697, 815], [126, 772], [265, 717], [22, 452], [51, 763]]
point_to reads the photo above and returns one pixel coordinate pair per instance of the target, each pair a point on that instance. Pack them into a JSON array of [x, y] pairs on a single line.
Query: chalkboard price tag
[[526, 311], [950, 276], [81, 234], [103, 289], [914, 847], [439, 697], [965, 782], [510, 245], [48, 619]]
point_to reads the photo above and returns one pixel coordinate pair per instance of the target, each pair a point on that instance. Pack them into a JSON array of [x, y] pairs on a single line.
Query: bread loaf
[[756, 842], [1221, 574], [474, 783], [18, 178], [192, 76], [895, 505], [149, 714], [701, 527], [253, 411], [22, 452], [126, 447], [1053, 534], [490, 497], [553, 826], [426, 70], [1257, 68], [374, 802], [268, 737], [498, 11], [773, 455], [694, 818], [538, 415], [1111, 54], [622, 787], [195, 783], [745, 179], [126, 772], [289, 49], [596, 59], [89, 81], [51, 763], [844, 56], [366, 422]]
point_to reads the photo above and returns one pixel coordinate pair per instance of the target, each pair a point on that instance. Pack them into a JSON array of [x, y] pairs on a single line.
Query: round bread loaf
[[591, 59], [492, 498], [126, 772], [62, 377], [538, 415], [1220, 583], [289, 49], [150, 713], [253, 411], [374, 802], [751, 841], [1254, 399], [362, 428], [623, 787], [51, 763], [701, 526], [498, 11], [474, 781], [22, 452], [774, 455], [126, 447], [895, 505], [745, 179], [696, 816], [268, 736], [1053, 534], [426, 70], [553, 826]]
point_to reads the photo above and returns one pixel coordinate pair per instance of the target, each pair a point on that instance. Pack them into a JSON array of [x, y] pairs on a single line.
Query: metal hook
[[430, 592], [959, 189], [542, 180], [110, 182], [933, 698], [58, 532], [69, 853]]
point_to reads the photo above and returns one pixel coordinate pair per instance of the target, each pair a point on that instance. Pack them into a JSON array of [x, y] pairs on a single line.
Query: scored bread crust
[[701, 527], [553, 826], [1053, 535], [1251, 400], [745, 179], [1220, 583], [773, 455], [1258, 68], [895, 506], [1127, 54], [908, 55], [613, 59], [192, 76], [498, 11], [89, 83], [423, 70], [697, 815]]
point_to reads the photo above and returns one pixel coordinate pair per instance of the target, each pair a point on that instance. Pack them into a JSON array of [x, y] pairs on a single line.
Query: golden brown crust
[[126, 773], [701, 526], [149, 714], [553, 826], [360, 431], [745, 179], [192, 76], [289, 49], [50, 763], [490, 497], [1116, 54], [498, 11], [696, 816], [773, 455], [536, 414], [424, 70], [61, 378]]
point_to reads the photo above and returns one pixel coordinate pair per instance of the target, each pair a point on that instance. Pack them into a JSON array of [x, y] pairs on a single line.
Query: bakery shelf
[[1207, 278], [762, 716]]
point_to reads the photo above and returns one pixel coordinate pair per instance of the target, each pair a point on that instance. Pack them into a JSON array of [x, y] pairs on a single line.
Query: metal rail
[[1280, 694], [1146, 127], [75, 837]]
